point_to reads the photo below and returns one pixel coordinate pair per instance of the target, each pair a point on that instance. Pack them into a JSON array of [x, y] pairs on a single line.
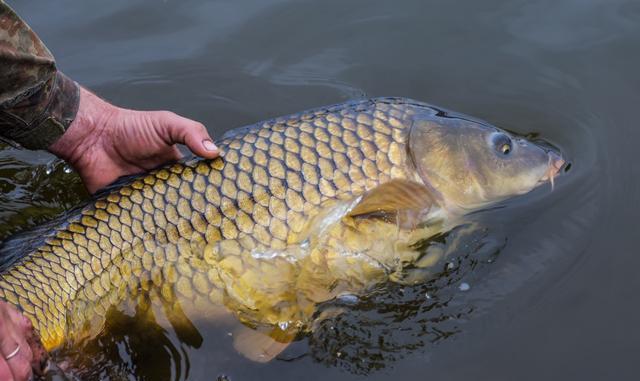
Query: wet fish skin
[[297, 211], [184, 231]]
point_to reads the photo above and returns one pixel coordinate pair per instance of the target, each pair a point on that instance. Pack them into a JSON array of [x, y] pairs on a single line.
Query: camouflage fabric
[[37, 102]]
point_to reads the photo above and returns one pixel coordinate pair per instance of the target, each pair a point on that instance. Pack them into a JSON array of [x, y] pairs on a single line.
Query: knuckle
[[156, 116], [167, 114]]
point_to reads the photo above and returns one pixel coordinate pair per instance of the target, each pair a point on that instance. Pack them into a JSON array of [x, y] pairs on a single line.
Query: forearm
[[37, 102], [40, 108]]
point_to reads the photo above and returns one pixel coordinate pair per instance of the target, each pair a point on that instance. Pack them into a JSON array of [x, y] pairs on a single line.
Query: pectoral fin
[[258, 346], [393, 197]]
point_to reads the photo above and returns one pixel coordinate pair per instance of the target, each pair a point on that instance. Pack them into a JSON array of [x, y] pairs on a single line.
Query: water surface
[[558, 298]]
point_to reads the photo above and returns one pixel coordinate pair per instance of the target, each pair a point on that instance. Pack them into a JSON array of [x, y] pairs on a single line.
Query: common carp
[[297, 211]]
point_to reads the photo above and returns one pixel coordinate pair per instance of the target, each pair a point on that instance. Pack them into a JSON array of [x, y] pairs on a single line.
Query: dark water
[[558, 300]]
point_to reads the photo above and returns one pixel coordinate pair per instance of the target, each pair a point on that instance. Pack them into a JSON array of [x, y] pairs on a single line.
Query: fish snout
[[557, 164]]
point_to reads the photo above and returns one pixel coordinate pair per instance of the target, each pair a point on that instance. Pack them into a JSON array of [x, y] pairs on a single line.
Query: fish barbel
[[297, 210]]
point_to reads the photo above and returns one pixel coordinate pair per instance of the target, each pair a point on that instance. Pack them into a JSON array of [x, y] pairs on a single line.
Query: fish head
[[470, 164]]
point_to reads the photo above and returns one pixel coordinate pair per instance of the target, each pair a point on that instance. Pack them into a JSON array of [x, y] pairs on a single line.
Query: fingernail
[[208, 145]]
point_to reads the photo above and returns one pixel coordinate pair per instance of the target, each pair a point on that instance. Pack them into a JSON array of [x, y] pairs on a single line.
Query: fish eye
[[502, 144]]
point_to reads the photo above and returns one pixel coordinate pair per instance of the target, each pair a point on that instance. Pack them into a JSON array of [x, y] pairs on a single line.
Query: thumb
[[174, 129]]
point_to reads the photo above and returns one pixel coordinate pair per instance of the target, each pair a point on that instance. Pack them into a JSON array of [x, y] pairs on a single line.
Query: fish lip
[[557, 165]]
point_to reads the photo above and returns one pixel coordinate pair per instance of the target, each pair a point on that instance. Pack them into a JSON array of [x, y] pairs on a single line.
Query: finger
[[19, 363], [39, 356], [168, 154], [9, 334], [15, 329], [176, 129], [21, 370], [18, 319], [173, 155], [5, 372]]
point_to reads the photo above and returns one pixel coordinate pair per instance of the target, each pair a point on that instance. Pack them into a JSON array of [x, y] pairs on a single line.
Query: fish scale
[[186, 231]]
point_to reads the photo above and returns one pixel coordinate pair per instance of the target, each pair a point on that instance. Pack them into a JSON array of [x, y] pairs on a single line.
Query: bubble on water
[[451, 266], [464, 286], [348, 298], [229, 333], [67, 169], [426, 295], [283, 325]]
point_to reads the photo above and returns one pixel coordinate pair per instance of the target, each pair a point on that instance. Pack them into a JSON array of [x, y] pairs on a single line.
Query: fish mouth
[[557, 164]]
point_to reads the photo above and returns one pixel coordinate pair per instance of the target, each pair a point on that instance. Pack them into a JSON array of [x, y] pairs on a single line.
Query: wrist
[[85, 130]]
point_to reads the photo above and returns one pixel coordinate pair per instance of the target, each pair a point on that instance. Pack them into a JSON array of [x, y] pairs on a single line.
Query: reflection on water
[[34, 187], [131, 347], [330, 62], [565, 27], [393, 321]]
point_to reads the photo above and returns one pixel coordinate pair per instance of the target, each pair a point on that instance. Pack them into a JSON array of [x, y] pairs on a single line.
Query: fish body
[[297, 210]]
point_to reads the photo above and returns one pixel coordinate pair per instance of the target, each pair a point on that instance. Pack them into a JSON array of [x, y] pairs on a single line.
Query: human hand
[[105, 142], [20, 349]]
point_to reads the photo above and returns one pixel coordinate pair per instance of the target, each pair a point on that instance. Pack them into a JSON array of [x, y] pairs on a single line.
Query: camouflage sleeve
[[37, 102]]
